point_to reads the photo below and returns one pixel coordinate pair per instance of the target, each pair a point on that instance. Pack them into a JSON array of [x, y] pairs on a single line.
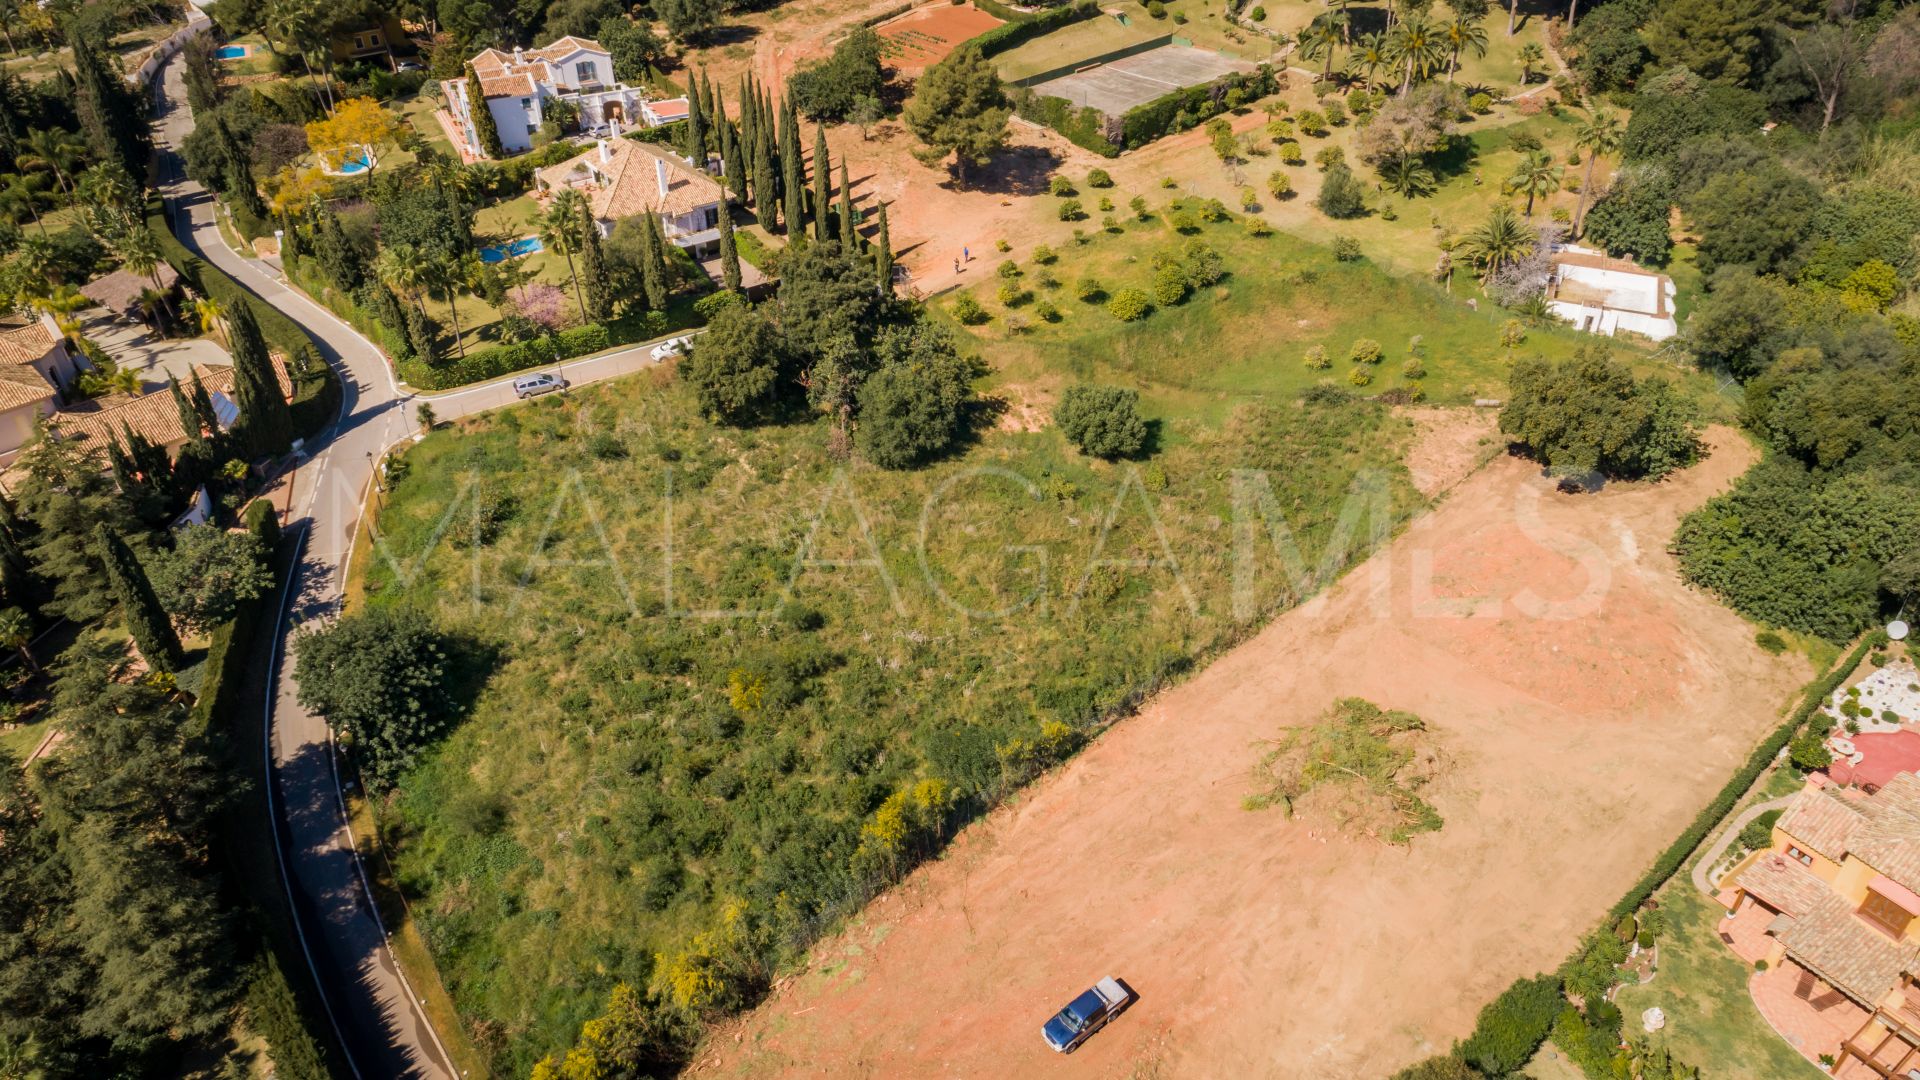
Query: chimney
[[660, 170], [517, 58], [613, 126], [606, 153]]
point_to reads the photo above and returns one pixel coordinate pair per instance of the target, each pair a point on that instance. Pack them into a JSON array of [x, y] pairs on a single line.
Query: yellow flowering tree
[[356, 123]]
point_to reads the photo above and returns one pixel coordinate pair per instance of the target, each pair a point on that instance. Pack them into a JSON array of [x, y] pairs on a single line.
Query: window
[[1796, 853], [585, 72], [713, 218], [533, 129], [526, 103], [1888, 915]]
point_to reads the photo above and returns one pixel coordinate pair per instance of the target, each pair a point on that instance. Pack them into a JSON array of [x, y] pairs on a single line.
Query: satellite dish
[[1897, 630]]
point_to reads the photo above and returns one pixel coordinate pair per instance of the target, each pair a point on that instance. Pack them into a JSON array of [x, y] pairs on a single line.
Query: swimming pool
[[357, 165], [526, 245], [231, 52]]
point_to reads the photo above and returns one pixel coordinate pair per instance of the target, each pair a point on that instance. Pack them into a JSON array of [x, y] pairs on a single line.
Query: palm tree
[[1407, 176], [559, 231], [61, 303], [297, 23], [1368, 56], [1531, 55], [140, 253], [1536, 176], [1415, 44], [1319, 39], [404, 270], [51, 150], [21, 193], [211, 317], [1513, 13], [1346, 19], [1497, 241], [152, 303], [1600, 134], [16, 632], [451, 275], [1463, 34]]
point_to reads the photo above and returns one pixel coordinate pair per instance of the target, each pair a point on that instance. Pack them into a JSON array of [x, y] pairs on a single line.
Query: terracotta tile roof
[[25, 344], [491, 60], [1783, 884], [555, 50], [516, 84], [1890, 840], [22, 385], [670, 108], [629, 184], [153, 415], [1837, 945], [119, 292], [1822, 823]]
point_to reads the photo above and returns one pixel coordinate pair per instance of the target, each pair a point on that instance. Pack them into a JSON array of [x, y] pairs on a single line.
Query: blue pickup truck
[[1085, 1015]]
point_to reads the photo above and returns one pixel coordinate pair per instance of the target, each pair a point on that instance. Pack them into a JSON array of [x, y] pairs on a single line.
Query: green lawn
[[1247, 335], [1702, 987], [31, 62]]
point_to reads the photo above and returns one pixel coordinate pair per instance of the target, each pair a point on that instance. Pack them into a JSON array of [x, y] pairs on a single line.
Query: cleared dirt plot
[[1115, 87], [1587, 704], [920, 39]]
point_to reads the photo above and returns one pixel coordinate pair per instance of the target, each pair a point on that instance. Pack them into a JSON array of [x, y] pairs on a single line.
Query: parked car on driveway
[[1085, 1015], [671, 347], [527, 386]]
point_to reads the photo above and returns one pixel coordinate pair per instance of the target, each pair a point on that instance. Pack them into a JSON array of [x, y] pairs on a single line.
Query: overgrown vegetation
[[1360, 765]]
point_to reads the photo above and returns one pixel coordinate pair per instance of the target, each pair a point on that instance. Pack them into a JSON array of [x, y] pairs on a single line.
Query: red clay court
[[1886, 753], [923, 37]]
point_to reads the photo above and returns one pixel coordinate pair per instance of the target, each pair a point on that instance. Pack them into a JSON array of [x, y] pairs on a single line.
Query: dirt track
[[1590, 703]]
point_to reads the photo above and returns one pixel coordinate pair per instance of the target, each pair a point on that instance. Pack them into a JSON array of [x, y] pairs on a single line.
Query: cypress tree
[[265, 425], [484, 128], [112, 118], [386, 307], [729, 252], [653, 264], [203, 405], [748, 141], [594, 278], [792, 179], [189, 419], [696, 126], [883, 254], [766, 199], [848, 234], [151, 629], [822, 186], [420, 332], [338, 257]]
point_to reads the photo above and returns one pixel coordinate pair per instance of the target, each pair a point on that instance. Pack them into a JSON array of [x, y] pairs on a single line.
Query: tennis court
[[1116, 87]]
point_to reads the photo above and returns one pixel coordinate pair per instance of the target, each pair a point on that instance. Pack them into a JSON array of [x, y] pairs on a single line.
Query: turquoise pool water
[[526, 245], [357, 165], [231, 52]]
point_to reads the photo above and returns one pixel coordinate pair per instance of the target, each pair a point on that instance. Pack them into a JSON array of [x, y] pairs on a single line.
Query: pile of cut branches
[[1359, 765]]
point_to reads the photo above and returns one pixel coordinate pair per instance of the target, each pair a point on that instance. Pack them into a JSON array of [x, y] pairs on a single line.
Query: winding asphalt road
[[374, 1011]]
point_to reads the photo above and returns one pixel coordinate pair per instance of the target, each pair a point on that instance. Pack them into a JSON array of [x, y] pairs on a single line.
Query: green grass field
[[1247, 335]]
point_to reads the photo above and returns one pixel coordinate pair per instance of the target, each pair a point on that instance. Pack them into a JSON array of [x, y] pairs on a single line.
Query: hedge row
[[1021, 27], [307, 275], [491, 363], [1193, 105], [1085, 127], [1502, 1025], [316, 393]]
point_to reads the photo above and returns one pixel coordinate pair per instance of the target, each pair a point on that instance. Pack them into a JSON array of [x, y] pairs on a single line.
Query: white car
[[671, 347], [527, 386]]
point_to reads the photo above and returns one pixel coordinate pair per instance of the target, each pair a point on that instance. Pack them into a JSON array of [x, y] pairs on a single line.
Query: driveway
[[134, 346]]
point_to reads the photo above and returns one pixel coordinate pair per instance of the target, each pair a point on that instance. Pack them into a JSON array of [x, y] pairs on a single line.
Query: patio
[[1811, 1016]]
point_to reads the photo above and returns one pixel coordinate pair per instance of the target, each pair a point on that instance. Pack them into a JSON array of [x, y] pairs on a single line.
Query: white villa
[[623, 177], [1602, 295], [518, 85]]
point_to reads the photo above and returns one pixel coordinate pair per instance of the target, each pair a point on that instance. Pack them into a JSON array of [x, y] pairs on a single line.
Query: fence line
[[1108, 57]]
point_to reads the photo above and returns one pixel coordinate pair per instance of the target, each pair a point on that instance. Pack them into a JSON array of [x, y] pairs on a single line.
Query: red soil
[[923, 38], [1589, 704]]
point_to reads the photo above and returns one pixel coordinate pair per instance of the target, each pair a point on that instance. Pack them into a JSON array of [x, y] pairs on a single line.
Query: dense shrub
[[1365, 351], [1341, 194], [1513, 1026], [1103, 421], [1128, 305], [968, 310], [829, 89], [1590, 414]]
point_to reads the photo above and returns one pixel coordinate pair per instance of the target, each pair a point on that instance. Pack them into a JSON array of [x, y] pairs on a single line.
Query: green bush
[[1481, 103], [1771, 642], [1290, 153], [1060, 186], [1169, 285], [491, 363], [1513, 1026], [1279, 184], [1258, 14], [1045, 311], [1070, 210], [968, 310], [1316, 358], [1347, 249], [1098, 178], [1127, 305], [1103, 421], [1360, 376], [1313, 122], [1011, 294], [1365, 351], [1008, 269], [1156, 9], [1090, 290], [1044, 255], [1413, 369]]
